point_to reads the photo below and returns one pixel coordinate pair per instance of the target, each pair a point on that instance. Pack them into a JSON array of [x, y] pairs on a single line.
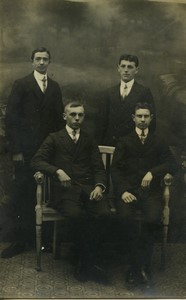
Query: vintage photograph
[[92, 149]]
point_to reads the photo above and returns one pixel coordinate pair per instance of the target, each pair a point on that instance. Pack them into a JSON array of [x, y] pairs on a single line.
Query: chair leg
[[163, 247], [56, 245], [54, 238], [38, 246]]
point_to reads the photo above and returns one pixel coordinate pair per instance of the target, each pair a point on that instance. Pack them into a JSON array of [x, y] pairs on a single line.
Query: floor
[[19, 279]]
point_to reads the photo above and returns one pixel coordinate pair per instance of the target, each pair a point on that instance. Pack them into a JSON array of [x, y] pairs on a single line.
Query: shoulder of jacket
[[140, 85]]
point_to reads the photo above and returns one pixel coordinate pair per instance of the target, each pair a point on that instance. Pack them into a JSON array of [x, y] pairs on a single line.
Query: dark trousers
[[140, 241], [87, 222], [22, 204]]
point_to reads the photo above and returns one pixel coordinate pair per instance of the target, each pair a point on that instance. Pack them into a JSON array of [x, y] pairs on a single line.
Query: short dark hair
[[143, 105], [40, 49], [129, 57], [73, 103]]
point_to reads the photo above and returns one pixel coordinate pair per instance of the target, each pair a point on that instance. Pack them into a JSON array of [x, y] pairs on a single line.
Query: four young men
[[72, 159]]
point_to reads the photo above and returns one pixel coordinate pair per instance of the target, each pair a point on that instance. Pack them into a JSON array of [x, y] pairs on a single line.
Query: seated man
[[140, 161], [73, 161]]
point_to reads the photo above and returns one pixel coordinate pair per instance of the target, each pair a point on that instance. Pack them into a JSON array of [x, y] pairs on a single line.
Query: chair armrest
[[168, 178], [166, 197], [39, 177]]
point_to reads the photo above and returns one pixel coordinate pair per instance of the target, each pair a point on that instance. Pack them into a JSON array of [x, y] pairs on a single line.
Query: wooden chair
[[44, 213]]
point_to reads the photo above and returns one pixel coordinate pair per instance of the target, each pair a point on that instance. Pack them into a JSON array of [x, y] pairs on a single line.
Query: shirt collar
[[129, 84], [70, 130], [138, 131], [39, 76]]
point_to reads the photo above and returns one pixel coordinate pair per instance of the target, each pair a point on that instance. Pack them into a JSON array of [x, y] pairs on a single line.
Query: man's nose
[[143, 118], [41, 61]]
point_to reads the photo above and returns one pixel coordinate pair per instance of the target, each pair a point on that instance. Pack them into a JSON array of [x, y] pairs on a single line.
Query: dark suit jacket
[[115, 114], [81, 161], [132, 160], [32, 115]]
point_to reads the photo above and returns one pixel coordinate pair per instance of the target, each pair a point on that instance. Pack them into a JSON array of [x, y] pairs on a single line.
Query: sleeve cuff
[[102, 186]]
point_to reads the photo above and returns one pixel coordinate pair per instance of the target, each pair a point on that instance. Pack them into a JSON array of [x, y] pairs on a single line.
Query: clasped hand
[[96, 194], [65, 180], [145, 183]]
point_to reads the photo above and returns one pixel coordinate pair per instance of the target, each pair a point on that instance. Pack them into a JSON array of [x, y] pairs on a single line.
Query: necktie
[[125, 92], [44, 84], [74, 136], [142, 136]]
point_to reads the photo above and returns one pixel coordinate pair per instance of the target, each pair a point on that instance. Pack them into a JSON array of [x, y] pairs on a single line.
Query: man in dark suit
[[34, 110], [72, 159], [140, 161], [117, 103]]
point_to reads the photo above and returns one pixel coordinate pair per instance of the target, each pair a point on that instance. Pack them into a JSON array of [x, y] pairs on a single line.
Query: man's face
[[74, 116], [127, 70], [142, 118], [40, 62]]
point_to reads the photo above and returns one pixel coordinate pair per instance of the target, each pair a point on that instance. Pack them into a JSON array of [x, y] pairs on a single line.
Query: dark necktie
[[74, 136], [44, 84], [142, 136]]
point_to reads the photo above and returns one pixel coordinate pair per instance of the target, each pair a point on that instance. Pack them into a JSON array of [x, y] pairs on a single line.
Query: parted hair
[[143, 105], [40, 49], [129, 57]]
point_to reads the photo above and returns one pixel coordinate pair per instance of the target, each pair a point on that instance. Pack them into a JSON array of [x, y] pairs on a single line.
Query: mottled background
[[86, 39]]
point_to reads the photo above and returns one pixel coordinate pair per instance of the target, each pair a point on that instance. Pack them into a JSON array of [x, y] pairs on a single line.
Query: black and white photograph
[[92, 149]]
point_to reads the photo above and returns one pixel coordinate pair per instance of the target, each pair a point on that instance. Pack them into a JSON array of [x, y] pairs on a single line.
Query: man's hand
[[147, 180], [63, 178], [96, 194], [128, 197], [18, 157]]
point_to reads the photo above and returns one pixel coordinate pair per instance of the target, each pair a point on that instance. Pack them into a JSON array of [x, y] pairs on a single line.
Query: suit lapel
[[35, 87], [139, 145], [122, 108], [79, 145], [67, 141], [48, 93], [39, 96], [73, 149]]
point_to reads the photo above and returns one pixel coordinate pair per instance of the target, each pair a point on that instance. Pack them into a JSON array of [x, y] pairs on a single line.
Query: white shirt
[[139, 132], [70, 132], [124, 84], [39, 77]]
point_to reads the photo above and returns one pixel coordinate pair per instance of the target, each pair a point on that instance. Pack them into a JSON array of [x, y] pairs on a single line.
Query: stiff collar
[[39, 76], [70, 130], [139, 131], [129, 84]]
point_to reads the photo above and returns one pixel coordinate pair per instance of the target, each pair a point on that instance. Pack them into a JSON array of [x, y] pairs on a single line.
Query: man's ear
[[133, 116], [64, 116], [151, 116], [137, 69]]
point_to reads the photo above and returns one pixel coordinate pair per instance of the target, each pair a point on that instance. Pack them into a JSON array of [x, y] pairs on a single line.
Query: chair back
[[107, 155]]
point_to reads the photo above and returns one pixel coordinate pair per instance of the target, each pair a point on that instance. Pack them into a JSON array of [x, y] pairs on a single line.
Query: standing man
[[118, 102], [73, 161], [34, 110], [140, 161]]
